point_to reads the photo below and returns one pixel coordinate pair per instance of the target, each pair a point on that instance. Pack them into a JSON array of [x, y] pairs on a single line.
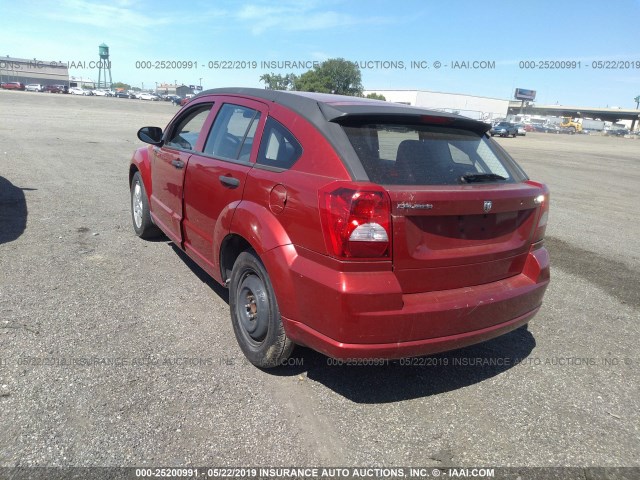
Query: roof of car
[[326, 112], [339, 108]]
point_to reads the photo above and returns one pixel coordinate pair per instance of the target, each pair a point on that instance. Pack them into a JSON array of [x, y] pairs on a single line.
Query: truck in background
[[580, 125]]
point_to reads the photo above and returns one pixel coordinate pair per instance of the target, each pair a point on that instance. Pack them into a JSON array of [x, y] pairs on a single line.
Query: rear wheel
[[140, 213], [255, 314]]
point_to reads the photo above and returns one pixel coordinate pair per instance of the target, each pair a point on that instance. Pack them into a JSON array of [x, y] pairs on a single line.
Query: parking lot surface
[[116, 351]]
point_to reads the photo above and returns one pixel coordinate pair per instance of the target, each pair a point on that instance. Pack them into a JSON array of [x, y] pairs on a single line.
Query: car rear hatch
[[462, 212], [459, 236]]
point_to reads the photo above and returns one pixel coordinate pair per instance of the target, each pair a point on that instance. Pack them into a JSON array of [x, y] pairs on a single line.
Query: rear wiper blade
[[480, 177]]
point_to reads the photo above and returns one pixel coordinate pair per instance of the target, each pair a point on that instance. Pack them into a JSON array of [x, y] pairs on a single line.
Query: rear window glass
[[394, 154]]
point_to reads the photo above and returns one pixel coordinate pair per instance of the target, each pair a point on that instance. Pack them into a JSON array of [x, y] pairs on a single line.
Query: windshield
[[393, 154]]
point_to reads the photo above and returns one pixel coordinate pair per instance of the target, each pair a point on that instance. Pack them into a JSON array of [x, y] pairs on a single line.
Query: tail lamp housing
[[356, 220], [542, 201]]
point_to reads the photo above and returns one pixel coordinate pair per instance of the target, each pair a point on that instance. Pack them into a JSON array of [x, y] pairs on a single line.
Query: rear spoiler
[[353, 114]]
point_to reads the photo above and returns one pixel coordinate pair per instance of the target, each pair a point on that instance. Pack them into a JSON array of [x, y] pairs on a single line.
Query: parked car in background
[[122, 94], [79, 91], [52, 89], [12, 86], [504, 129], [522, 131], [358, 228], [184, 101], [34, 87], [102, 92], [528, 127], [618, 132], [148, 96], [547, 128]]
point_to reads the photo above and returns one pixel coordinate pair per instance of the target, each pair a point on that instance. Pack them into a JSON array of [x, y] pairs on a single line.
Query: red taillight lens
[[542, 200], [356, 221]]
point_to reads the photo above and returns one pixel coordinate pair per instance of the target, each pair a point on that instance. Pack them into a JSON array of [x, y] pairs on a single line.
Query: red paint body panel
[[455, 274], [370, 308]]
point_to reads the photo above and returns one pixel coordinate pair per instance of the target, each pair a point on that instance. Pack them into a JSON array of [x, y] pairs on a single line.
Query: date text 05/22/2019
[[310, 64]]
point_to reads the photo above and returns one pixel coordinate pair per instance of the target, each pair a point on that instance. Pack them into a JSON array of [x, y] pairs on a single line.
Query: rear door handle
[[177, 163], [229, 181]]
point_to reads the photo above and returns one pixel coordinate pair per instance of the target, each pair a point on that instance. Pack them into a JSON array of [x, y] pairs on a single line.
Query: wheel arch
[[140, 163], [251, 226]]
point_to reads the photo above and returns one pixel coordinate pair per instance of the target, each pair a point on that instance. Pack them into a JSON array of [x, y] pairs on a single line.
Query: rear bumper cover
[[414, 348], [365, 315]]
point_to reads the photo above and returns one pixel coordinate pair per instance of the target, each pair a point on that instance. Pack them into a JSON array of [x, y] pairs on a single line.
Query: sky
[[397, 44]]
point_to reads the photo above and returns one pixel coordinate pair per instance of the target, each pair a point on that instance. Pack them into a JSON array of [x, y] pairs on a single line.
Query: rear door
[[215, 180], [462, 211], [169, 164]]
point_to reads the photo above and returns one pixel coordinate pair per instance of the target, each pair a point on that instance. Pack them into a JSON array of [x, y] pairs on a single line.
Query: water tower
[[104, 67]]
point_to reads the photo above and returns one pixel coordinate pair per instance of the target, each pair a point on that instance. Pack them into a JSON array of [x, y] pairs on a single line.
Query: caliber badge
[[488, 204]]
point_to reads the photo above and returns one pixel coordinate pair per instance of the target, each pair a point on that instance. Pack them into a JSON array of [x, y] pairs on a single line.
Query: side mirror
[[152, 135]]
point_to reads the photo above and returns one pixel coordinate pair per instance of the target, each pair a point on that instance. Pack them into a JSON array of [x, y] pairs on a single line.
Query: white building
[[81, 82], [478, 108]]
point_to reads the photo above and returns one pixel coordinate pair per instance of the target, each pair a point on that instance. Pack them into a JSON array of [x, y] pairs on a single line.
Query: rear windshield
[[393, 154]]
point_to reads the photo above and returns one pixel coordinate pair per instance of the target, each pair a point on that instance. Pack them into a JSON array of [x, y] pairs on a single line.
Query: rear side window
[[232, 133], [279, 148], [394, 154]]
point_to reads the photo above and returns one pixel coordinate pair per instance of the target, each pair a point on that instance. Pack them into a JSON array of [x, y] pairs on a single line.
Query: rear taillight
[[356, 220], [542, 200]]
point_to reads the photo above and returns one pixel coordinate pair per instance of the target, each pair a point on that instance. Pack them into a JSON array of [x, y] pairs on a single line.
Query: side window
[[186, 132], [279, 148], [458, 156], [232, 133]]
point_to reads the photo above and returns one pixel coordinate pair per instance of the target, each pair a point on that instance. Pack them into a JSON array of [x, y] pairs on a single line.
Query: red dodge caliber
[[358, 228]]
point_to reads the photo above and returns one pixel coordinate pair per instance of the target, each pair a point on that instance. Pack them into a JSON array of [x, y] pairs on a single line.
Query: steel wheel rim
[[252, 308], [137, 205]]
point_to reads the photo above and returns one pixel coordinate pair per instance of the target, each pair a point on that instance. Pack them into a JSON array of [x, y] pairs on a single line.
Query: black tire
[[140, 213], [255, 314]]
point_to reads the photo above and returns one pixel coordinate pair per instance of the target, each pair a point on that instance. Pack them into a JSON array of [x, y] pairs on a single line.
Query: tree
[[335, 75], [125, 86], [278, 82], [376, 96]]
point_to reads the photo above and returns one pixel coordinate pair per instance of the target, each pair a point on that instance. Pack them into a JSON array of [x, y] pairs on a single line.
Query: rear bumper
[[335, 349], [366, 315]]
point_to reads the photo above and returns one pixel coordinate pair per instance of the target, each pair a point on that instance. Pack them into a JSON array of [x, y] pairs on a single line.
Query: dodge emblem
[[487, 206]]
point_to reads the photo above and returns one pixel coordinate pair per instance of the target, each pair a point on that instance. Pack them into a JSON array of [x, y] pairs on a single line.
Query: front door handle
[[229, 181], [177, 163]]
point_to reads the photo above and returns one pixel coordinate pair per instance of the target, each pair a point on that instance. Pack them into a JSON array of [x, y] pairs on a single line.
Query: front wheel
[[255, 314], [140, 213]]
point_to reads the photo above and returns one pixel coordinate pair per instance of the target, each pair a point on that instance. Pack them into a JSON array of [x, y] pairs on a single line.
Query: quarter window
[[185, 135], [279, 148]]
